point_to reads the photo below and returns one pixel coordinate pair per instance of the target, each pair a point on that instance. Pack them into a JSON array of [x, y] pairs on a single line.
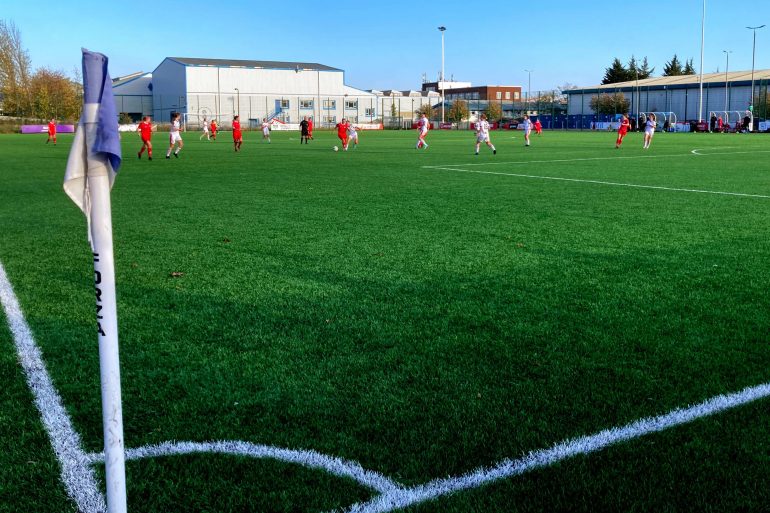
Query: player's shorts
[[353, 135], [265, 131], [237, 135], [205, 129], [623, 131], [649, 131], [482, 138], [423, 133], [174, 137], [146, 139]]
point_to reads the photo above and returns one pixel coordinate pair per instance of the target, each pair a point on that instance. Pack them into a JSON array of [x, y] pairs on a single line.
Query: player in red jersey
[[538, 127], [622, 130], [51, 132], [213, 127], [237, 135], [145, 131], [342, 133], [310, 128]]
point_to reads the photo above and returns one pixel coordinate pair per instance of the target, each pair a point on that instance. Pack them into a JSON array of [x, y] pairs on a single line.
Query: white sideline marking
[[545, 457], [310, 459], [589, 159], [76, 473], [600, 182]]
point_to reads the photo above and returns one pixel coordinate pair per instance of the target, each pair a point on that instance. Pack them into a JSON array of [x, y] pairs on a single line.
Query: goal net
[[194, 121]]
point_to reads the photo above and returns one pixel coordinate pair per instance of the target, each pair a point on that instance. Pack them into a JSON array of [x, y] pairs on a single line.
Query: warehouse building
[[724, 94]]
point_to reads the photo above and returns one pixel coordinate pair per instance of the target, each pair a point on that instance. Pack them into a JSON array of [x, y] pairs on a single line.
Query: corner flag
[[91, 167]]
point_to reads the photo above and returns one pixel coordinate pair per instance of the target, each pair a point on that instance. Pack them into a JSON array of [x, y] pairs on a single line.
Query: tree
[[645, 71], [616, 73], [610, 103], [393, 110], [458, 111], [53, 95], [673, 68], [689, 69], [494, 111], [14, 70], [426, 109]]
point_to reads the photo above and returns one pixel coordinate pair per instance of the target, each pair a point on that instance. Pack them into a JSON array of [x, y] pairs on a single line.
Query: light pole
[[702, 42], [727, 68], [529, 86], [442, 29], [753, 54], [238, 94]]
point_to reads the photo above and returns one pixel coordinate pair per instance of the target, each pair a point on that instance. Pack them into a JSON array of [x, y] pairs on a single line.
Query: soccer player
[[145, 131], [237, 135], [213, 126], [538, 127], [266, 130], [527, 129], [482, 134], [423, 125], [622, 130], [303, 131], [342, 133], [51, 132], [310, 128], [174, 137], [353, 136], [649, 130], [205, 130]]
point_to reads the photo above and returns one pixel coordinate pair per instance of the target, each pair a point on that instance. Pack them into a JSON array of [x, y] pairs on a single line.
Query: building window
[[330, 119], [499, 95], [351, 104], [352, 119], [516, 96], [306, 104], [507, 95], [284, 104], [370, 112], [330, 104]]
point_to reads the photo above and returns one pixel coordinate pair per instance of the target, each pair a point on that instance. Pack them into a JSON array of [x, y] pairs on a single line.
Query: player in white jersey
[[423, 125], [265, 129], [353, 136], [205, 130], [174, 136], [527, 129], [649, 130], [482, 134]]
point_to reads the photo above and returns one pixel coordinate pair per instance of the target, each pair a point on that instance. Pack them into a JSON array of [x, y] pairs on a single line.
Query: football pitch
[[560, 328]]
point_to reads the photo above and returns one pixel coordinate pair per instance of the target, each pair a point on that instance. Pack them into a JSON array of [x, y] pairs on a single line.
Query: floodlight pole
[[702, 43], [442, 29], [529, 86], [727, 68], [753, 54]]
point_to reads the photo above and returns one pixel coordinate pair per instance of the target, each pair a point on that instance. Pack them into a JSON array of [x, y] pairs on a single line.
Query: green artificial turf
[[421, 312]]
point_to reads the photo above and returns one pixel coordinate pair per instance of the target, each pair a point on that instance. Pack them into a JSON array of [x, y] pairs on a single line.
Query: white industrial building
[[722, 92], [221, 88]]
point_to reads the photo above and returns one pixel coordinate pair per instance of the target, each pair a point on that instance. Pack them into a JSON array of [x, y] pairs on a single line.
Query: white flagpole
[[106, 316]]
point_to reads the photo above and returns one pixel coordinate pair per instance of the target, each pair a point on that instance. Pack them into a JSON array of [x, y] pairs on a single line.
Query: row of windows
[[476, 96], [327, 104]]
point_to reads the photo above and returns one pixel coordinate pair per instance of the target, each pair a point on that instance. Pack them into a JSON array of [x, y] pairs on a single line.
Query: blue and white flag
[[96, 147]]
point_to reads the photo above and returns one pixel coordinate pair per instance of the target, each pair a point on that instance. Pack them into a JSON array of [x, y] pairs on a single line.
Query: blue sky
[[389, 45]]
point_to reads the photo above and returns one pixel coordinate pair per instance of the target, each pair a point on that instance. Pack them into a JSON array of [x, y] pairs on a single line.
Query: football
[[335, 148]]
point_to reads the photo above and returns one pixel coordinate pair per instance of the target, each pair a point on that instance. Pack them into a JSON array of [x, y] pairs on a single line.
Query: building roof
[[680, 80], [127, 78], [234, 63]]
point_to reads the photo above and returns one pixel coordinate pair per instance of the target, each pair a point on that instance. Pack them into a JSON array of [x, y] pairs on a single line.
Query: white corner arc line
[[602, 182], [306, 458], [563, 450], [76, 472]]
